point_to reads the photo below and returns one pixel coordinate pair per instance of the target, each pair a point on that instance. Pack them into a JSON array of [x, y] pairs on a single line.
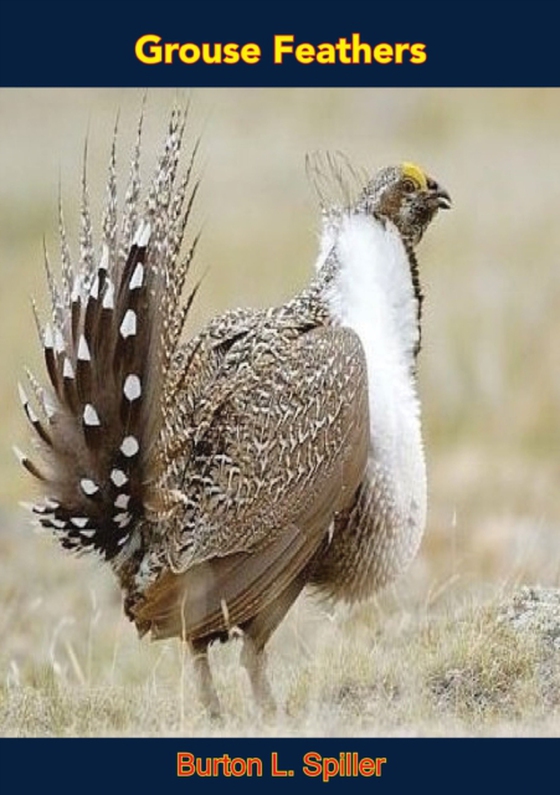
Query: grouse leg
[[256, 635], [203, 674], [253, 659]]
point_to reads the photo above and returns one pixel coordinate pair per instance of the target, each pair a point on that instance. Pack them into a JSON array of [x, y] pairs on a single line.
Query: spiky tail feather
[[116, 322]]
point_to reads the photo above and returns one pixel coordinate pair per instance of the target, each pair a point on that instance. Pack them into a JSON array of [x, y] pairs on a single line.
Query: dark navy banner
[[257, 765], [288, 44]]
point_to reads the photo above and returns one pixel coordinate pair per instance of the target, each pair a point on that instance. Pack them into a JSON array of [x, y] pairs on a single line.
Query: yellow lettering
[[360, 47], [282, 46], [399, 49], [184, 53], [305, 53], [383, 53], [326, 53], [251, 53], [211, 56], [154, 53], [343, 45], [418, 53], [231, 52], [169, 49]]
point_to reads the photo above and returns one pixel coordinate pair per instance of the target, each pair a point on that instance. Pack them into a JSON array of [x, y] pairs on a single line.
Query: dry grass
[[428, 656], [72, 666]]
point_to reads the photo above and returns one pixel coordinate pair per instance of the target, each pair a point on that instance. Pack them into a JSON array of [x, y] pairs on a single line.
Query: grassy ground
[[442, 666], [428, 656]]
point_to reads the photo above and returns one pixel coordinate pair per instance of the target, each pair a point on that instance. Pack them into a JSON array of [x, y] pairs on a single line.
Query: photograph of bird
[[274, 450]]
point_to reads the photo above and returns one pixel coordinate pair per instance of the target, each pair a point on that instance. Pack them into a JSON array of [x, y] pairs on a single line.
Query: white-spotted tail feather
[[116, 321]]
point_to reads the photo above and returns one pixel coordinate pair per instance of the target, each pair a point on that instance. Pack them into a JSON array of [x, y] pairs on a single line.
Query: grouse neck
[[369, 280], [368, 287]]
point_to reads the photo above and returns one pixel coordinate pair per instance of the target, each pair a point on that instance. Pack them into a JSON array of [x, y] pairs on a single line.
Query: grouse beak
[[438, 196], [442, 197]]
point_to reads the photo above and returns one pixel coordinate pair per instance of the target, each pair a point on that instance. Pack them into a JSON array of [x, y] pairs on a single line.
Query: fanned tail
[[117, 319]]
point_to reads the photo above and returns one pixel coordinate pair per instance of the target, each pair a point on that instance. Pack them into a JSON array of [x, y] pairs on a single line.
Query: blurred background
[[490, 364]]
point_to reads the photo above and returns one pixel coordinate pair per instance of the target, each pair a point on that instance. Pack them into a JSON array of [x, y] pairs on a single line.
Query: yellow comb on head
[[416, 174]]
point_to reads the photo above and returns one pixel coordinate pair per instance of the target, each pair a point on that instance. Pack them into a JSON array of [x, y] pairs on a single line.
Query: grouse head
[[407, 196]]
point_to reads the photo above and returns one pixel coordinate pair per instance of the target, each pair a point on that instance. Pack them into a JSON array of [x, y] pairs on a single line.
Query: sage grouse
[[276, 449]]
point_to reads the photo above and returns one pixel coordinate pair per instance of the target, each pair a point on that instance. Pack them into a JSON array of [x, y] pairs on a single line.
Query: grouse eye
[[408, 186]]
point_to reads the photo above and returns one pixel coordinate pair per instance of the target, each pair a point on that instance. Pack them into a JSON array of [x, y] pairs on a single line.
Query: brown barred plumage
[[221, 476]]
